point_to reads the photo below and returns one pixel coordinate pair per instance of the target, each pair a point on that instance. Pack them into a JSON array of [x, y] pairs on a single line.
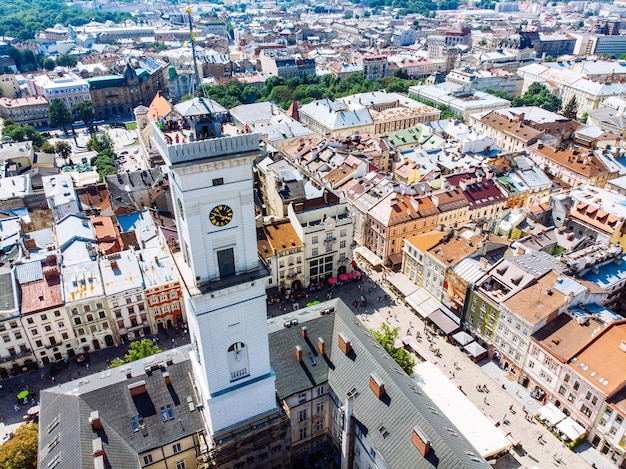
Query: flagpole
[[193, 52]]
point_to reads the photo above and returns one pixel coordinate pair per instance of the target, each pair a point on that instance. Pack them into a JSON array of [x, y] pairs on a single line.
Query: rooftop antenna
[[193, 52]]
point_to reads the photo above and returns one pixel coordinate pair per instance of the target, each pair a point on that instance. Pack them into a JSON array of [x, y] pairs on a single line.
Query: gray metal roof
[[402, 408], [29, 272], [293, 377], [108, 393], [199, 107]]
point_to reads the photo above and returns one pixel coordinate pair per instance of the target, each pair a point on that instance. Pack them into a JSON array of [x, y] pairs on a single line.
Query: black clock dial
[[221, 215]]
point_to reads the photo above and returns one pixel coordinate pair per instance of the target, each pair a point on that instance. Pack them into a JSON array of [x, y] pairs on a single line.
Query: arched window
[[238, 361]]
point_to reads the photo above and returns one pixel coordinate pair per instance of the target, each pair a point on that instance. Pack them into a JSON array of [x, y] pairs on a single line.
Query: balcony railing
[[16, 356], [242, 373]]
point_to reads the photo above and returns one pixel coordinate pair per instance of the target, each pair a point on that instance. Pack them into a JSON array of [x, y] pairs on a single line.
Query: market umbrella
[[343, 277], [356, 274], [313, 303], [349, 275], [33, 410], [23, 394], [331, 281]]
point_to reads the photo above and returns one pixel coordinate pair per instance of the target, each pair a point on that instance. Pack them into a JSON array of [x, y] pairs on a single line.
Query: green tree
[[16, 132], [401, 73], [538, 94], [67, 60], [622, 56], [63, 149], [100, 142], [32, 134], [116, 362], [250, 94], [584, 118], [84, 111], [59, 115], [499, 93], [20, 452], [48, 64], [280, 95], [47, 147], [386, 336], [141, 349], [570, 110]]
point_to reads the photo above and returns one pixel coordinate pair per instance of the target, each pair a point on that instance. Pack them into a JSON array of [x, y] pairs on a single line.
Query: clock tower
[[212, 189]]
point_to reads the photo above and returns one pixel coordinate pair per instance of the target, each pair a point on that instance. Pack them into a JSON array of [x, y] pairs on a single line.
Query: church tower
[[212, 191]]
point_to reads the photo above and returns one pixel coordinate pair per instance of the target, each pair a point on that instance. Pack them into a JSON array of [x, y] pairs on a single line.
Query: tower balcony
[[239, 374]]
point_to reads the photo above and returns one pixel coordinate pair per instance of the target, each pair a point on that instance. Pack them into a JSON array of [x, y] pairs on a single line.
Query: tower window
[[226, 262], [238, 361], [180, 209], [218, 181]]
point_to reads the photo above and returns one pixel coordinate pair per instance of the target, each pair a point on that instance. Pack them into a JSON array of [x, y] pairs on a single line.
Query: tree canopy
[[20, 452], [104, 161], [59, 115], [136, 351], [570, 110], [22, 18], [84, 111], [63, 149], [21, 133], [386, 336], [303, 89], [538, 94]]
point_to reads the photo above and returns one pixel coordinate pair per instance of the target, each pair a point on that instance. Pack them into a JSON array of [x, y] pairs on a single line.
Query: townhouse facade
[[326, 228], [283, 252], [395, 217], [125, 295]]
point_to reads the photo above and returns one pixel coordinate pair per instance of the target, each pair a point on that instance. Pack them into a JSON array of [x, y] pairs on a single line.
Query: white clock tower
[[212, 191]]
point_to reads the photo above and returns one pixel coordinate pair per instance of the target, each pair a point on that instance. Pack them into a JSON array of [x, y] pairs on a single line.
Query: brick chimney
[[344, 344], [305, 332], [321, 345], [137, 388], [377, 386], [166, 378], [94, 420], [299, 353], [97, 448], [420, 440]]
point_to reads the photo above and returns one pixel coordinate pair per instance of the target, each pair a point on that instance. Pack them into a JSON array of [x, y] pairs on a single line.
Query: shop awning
[[464, 415], [395, 259], [475, 349], [551, 414], [443, 322], [462, 338], [572, 429], [403, 284], [422, 302], [369, 256]]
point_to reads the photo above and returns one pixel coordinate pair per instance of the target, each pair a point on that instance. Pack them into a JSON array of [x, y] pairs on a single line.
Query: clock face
[[221, 215]]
